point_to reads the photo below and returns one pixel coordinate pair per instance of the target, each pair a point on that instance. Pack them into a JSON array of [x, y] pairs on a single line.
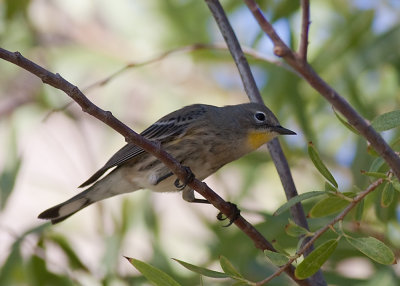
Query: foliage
[[49, 151]]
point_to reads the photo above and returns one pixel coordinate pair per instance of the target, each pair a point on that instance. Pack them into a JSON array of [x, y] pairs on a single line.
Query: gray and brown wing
[[168, 127]]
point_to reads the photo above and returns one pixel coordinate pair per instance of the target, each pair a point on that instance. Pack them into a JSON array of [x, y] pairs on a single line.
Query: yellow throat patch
[[256, 138]]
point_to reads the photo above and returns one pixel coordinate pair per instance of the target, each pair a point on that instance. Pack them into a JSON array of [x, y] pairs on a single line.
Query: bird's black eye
[[259, 116]]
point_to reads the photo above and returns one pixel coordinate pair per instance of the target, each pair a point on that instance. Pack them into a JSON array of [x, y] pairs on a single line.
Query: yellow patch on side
[[256, 138]]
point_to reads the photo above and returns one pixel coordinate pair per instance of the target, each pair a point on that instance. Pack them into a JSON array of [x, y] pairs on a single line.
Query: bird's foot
[[232, 217]]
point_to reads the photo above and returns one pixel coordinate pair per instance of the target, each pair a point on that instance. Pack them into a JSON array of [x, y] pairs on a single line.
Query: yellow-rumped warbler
[[201, 137]]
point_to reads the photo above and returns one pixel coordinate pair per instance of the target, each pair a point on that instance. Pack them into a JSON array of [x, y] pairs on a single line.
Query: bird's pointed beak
[[282, 131]]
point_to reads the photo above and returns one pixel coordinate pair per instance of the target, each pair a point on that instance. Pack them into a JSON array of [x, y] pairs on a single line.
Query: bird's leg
[[232, 217], [200, 201], [188, 195], [188, 179], [162, 178]]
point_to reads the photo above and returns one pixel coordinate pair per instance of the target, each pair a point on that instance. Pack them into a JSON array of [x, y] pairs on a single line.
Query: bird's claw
[[189, 177], [232, 217]]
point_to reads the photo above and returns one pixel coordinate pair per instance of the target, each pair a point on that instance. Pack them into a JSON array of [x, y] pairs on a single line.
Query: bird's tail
[[109, 186], [66, 209]]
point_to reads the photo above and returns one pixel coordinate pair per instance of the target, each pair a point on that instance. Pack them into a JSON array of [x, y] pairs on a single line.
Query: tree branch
[[338, 102], [322, 230], [305, 24], [253, 93], [185, 49], [190, 48], [56, 81]]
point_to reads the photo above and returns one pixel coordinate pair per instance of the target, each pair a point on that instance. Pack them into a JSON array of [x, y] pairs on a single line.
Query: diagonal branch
[[322, 230], [56, 81], [333, 97], [184, 49]]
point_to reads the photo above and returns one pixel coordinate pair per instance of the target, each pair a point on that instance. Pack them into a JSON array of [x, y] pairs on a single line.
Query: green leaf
[[38, 274], [11, 169], [13, 266], [276, 258], [201, 270], [154, 275], [313, 262], [329, 205], [386, 121], [7, 182], [280, 248], [295, 230], [73, 258], [387, 195], [373, 248], [377, 164], [315, 158], [378, 175], [228, 267], [345, 123], [330, 188], [396, 185], [297, 199], [359, 210]]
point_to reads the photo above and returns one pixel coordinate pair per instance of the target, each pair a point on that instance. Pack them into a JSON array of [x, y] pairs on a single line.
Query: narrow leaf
[[373, 248], [276, 258], [396, 185], [280, 248], [376, 164], [387, 195], [386, 121], [295, 230], [316, 159], [328, 206], [201, 270], [228, 267], [154, 275], [297, 199], [345, 123], [313, 262], [63, 243], [378, 175], [359, 210], [330, 188]]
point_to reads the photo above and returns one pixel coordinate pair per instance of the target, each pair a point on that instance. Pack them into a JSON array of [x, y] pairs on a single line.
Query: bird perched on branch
[[201, 137]]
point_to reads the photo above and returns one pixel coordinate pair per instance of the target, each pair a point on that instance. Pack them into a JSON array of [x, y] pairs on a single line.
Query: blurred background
[[49, 146]]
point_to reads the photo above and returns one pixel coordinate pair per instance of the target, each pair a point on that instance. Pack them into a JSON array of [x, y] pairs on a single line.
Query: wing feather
[[169, 127]]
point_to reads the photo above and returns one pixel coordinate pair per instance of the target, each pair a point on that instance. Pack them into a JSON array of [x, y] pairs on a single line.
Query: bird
[[201, 137]]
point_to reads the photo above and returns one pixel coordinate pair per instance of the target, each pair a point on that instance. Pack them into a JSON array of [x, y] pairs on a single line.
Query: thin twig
[[322, 230], [57, 81], [190, 48], [305, 24], [185, 49], [338, 102]]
